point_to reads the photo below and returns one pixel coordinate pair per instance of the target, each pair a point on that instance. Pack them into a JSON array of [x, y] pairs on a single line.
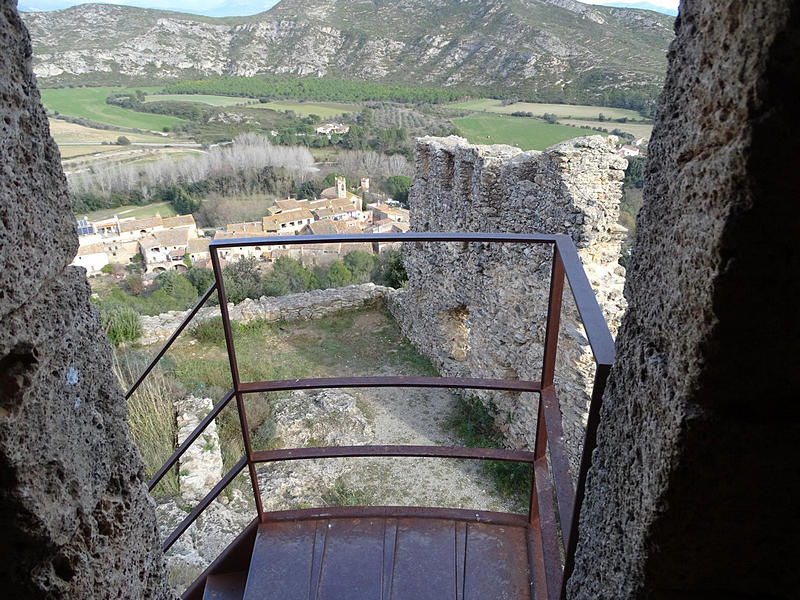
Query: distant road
[[148, 144]]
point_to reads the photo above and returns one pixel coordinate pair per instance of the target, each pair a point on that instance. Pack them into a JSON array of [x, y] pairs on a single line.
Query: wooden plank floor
[[382, 558]]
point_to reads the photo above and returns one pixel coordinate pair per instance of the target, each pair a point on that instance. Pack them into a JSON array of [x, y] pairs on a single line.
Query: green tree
[[309, 190], [391, 270], [330, 179], [181, 201], [397, 187], [201, 278], [298, 278], [360, 264], [338, 275], [178, 288], [634, 174], [275, 284], [242, 280], [123, 141]]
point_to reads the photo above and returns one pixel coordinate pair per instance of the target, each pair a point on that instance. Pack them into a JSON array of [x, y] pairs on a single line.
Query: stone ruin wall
[[479, 310]]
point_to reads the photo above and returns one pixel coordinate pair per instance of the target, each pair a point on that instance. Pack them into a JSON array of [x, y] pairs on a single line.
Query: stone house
[[91, 257], [165, 250], [393, 213], [197, 250]]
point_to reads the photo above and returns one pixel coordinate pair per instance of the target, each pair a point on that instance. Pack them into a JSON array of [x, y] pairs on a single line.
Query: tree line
[[277, 87]]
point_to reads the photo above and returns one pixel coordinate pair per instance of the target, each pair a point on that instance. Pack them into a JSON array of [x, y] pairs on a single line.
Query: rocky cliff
[[531, 45]]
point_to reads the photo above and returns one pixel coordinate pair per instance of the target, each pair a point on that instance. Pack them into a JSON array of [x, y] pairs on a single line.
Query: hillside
[[541, 47]]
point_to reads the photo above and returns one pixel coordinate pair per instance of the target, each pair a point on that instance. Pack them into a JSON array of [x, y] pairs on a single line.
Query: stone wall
[[479, 310], [77, 521], [694, 484], [292, 307]]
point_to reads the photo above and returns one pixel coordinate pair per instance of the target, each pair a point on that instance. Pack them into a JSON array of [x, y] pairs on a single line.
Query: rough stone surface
[[292, 307], [693, 487], [479, 310], [37, 239], [200, 467], [76, 520]]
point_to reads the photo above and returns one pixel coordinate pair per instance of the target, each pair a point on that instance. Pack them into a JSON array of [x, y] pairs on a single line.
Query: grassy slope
[[90, 103], [523, 132]]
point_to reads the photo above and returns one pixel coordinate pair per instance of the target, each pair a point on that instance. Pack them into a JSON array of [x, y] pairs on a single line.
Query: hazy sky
[[220, 8]]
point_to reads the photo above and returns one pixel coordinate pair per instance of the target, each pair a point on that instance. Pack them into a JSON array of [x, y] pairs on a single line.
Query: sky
[[226, 8]]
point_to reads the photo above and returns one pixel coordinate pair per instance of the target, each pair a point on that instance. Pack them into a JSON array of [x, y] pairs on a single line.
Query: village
[[175, 243]]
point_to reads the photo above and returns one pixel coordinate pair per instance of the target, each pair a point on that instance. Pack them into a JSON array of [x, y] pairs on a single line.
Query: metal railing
[[548, 483]]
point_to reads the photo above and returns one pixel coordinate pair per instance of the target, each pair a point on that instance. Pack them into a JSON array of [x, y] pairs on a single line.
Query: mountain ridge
[[526, 46]]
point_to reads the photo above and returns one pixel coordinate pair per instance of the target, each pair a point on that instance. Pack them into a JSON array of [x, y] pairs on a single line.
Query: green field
[[522, 132], [575, 111], [636, 129], [201, 98], [323, 109], [90, 103], [139, 212]]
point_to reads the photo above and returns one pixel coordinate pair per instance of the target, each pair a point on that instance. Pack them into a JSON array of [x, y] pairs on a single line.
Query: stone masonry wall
[[479, 310], [77, 521], [292, 307]]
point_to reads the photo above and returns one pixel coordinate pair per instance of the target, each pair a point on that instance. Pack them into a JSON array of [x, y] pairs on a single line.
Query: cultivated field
[[636, 129], [201, 98], [90, 103], [575, 111], [523, 132], [323, 109], [66, 132], [77, 151]]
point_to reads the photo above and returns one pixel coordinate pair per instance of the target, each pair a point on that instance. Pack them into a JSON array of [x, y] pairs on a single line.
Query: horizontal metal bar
[[189, 440], [171, 339], [411, 236], [419, 512], [223, 483], [512, 385], [559, 462], [415, 451], [594, 322]]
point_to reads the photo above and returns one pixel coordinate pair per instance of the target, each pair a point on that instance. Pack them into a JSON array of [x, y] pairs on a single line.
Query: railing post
[[553, 319], [590, 443], [226, 326]]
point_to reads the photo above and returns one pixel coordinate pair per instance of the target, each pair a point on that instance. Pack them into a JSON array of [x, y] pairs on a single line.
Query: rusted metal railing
[[548, 483]]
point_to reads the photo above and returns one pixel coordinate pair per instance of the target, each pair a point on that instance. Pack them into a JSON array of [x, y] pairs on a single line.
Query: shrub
[[123, 141], [121, 324], [107, 269], [209, 332]]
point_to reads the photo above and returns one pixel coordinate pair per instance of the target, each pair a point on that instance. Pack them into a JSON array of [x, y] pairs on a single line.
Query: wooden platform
[[382, 558]]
